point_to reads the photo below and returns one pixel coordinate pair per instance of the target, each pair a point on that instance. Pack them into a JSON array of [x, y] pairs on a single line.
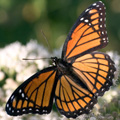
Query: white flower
[[3, 114], [109, 95], [81, 117], [8, 93], [50, 116], [26, 73], [1, 94], [2, 75], [38, 50], [41, 63], [10, 84], [11, 56], [92, 118], [116, 58], [57, 53], [17, 118]]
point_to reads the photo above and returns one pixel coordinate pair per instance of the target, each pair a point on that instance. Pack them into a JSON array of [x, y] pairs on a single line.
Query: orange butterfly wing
[[88, 33], [35, 95], [93, 71], [73, 99], [91, 76], [96, 71]]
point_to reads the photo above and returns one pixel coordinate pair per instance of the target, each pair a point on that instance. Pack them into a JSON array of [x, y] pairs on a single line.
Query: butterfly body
[[62, 66], [77, 78], [65, 68]]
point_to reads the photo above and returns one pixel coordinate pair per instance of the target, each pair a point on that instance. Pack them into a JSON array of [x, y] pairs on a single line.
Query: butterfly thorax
[[61, 65]]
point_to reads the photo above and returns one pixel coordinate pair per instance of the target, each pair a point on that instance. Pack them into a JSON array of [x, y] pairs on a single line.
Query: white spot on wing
[[96, 94], [81, 18], [94, 4], [91, 103], [37, 109], [9, 108], [20, 91], [23, 95], [74, 113], [111, 70], [7, 105], [103, 32], [100, 26], [104, 41], [102, 89], [43, 110], [12, 97], [86, 20], [68, 113], [26, 98], [97, 6], [80, 111], [107, 84], [103, 38], [100, 19], [87, 10], [89, 23], [18, 111]]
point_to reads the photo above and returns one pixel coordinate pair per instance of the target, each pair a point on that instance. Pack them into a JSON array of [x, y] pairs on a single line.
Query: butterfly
[[77, 78]]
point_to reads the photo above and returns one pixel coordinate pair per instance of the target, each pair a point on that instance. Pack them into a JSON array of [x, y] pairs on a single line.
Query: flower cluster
[[14, 70]]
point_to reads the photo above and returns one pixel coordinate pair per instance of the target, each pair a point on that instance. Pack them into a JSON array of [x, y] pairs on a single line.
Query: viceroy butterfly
[[77, 79]]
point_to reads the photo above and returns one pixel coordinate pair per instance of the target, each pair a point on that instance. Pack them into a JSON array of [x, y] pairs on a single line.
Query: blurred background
[[23, 20]]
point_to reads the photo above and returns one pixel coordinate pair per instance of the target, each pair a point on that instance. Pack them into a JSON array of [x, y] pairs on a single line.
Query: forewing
[[96, 71], [88, 33], [35, 95], [72, 99]]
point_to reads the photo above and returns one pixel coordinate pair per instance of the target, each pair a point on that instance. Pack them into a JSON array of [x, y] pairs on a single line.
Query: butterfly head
[[62, 66], [55, 60]]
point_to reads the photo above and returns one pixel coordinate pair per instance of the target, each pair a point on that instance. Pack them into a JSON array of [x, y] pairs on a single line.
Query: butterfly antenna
[[46, 40], [48, 47], [34, 58]]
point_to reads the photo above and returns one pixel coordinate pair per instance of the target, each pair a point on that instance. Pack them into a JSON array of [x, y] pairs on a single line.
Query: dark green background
[[22, 20]]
